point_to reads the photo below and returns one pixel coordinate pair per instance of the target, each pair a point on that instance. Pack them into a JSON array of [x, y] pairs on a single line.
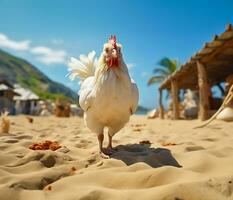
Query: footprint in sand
[[39, 183], [81, 143], [47, 158], [2, 147], [225, 187], [11, 141], [194, 148], [210, 139], [42, 135], [14, 138], [20, 137]]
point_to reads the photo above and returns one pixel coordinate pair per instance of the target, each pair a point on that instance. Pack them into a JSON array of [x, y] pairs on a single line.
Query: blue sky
[[47, 32]]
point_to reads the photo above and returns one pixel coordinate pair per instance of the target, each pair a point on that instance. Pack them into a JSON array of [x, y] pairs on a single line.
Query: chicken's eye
[[106, 50]]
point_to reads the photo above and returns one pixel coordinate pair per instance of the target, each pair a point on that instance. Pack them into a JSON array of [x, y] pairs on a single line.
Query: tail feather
[[82, 68]]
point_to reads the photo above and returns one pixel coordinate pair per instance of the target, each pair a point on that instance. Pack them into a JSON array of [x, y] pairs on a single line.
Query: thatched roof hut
[[213, 64]]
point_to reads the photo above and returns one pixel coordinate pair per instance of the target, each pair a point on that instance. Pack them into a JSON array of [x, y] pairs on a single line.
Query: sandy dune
[[182, 163]]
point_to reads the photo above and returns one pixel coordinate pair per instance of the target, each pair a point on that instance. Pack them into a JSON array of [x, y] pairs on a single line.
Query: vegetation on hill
[[17, 70]]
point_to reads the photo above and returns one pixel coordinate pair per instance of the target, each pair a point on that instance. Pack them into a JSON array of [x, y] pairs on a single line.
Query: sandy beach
[[181, 163]]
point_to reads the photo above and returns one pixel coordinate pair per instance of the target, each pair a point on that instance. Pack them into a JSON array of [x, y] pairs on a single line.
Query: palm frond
[[166, 68], [155, 79], [161, 71], [171, 65]]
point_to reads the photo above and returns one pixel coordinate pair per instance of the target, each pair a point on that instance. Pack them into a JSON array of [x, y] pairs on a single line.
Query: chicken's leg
[[111, 150], [109, 142], [101, 139]]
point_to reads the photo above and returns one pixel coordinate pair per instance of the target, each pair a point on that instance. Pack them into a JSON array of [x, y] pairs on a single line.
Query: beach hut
[[212, 65], [7, 95], [27, 102]]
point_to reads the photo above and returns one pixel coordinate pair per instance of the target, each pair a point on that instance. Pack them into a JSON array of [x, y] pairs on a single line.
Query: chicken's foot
[[110, 149], [101, 139]]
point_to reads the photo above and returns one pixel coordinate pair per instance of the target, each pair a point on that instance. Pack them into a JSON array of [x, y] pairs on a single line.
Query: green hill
[[17, 70]]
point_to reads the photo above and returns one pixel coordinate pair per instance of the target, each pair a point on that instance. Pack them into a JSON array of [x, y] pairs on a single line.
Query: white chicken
[[107, 95]]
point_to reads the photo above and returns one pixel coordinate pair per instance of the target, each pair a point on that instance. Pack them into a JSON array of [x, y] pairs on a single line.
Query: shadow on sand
[[134, 153]]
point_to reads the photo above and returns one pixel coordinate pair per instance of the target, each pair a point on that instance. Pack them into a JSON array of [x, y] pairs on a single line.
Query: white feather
[[135, 96], [82, 68]]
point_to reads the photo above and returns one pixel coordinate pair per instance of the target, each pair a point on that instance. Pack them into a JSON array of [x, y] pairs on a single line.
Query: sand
[[181, 163]]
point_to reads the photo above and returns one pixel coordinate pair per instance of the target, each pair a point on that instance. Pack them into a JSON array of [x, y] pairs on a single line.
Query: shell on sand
[[226, 114], [152, 114]]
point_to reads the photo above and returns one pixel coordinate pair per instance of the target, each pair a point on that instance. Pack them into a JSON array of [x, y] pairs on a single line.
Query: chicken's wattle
[[113, 62]]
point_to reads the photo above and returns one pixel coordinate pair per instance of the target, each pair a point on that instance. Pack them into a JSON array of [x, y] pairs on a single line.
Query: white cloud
[[49, 56], [15, 45], [130, 65], [44, 54]]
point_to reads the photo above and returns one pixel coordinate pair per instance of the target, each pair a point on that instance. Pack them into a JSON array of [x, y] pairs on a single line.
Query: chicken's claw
[[104, 156]]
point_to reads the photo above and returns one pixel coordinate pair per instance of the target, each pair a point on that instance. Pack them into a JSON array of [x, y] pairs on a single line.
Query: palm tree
[[167, 67]]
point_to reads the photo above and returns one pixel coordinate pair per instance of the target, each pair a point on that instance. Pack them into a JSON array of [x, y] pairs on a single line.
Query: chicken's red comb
[[112, 40]]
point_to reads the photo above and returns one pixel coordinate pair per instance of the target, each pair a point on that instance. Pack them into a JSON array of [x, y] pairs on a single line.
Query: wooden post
[[161, 110], [175, 99], [203, 92]]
